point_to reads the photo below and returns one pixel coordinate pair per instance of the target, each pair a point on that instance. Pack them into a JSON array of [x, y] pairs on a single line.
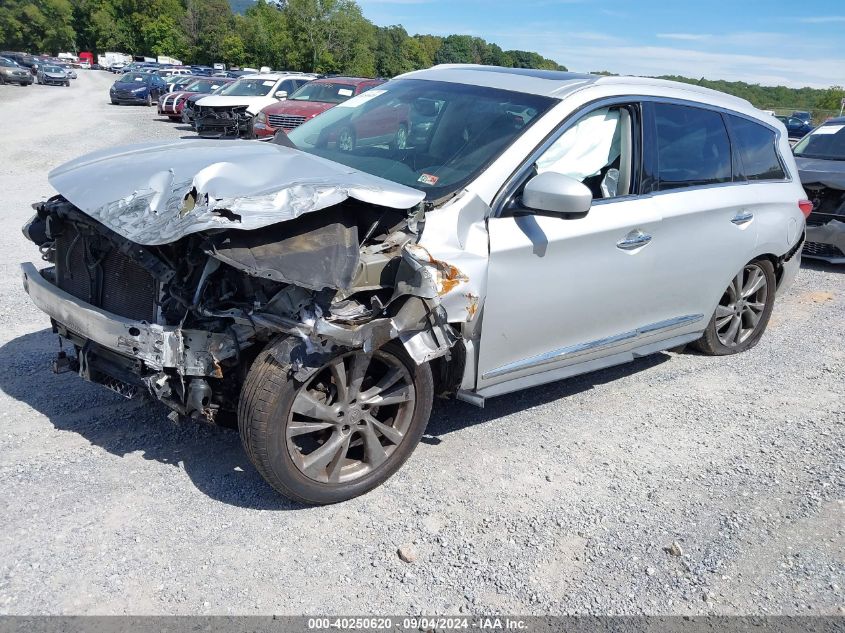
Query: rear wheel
[[743, 311], [343, 431]]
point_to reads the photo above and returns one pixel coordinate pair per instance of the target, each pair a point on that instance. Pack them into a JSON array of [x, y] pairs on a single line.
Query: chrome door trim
[[634, 240], [609, 342], [742, 217]]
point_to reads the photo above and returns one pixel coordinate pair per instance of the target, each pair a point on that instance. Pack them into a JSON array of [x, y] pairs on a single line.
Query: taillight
[[806, 207]]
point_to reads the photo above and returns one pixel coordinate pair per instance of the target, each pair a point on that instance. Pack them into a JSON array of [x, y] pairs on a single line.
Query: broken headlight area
[[183, 321], [218, 121]]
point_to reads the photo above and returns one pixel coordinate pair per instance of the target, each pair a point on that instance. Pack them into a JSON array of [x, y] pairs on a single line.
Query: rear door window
[[757, 147], [693, 147]]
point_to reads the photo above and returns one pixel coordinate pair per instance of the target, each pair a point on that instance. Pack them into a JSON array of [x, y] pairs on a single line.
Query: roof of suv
[[274, 76], [355, 81], [555, 83]]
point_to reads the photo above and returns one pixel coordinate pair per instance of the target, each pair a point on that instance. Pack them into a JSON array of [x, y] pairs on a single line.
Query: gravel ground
[[562, 499]]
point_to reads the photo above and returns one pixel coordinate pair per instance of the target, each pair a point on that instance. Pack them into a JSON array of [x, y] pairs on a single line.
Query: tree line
[[325, 36]]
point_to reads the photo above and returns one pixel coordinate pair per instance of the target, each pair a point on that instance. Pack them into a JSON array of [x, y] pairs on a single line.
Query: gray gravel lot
[[562, 499]]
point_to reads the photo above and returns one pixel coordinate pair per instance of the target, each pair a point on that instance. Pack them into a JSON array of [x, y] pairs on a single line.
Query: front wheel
[[343, 431], [743, 311]]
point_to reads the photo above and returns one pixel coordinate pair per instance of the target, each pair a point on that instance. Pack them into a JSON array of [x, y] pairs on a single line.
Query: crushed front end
[[222, 121], [826, 224]]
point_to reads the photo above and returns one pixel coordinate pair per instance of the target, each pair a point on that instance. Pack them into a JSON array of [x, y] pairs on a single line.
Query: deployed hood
[[253, 104], [156, 193], [830, 173]]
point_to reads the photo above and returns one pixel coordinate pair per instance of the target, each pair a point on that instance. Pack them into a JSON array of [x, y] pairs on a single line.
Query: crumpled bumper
[[189, 352], [826, 242]]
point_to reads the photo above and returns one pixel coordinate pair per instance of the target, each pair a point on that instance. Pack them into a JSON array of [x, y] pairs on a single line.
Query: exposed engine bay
[[201, 307], [222, 121]]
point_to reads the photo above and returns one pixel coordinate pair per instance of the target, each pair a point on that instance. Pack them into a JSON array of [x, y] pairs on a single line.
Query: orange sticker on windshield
[[428, 179]]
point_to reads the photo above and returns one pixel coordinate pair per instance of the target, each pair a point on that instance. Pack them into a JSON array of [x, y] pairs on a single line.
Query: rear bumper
[[156, 346], [826, 242]]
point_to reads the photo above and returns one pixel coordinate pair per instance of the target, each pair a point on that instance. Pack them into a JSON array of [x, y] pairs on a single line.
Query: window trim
[[648, 155]]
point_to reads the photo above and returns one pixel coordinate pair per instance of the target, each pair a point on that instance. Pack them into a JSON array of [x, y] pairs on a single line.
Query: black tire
[[264, 412], [712, 344], [113, 102], [2, 80]]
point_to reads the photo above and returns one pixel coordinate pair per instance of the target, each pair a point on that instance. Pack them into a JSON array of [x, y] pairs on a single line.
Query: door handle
[[634, 240], [742, 217]]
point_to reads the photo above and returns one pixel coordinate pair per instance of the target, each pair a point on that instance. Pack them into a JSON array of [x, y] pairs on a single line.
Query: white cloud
[[822, 19], [685, 37]]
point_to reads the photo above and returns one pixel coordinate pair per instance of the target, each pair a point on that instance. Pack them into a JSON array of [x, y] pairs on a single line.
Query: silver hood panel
[[156, 193], [830, 173]]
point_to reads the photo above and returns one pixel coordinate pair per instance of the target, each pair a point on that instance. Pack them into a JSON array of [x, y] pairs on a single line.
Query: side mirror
[[556, 194], [281, 94]]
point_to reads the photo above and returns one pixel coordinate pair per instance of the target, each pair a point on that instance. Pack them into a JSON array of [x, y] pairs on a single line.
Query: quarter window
[[756, 145], [693, 147]]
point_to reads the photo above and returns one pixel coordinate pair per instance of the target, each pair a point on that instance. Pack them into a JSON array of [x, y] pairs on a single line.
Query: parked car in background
[[796, 128], [804, 116], [230, 111], [173, 104], [12, 73], [138, 89], [313, 98], [68, 70], [51, 75], [327, 293], [821, 165]]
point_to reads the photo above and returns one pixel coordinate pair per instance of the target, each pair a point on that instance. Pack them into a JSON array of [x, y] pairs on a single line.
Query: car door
[[708, 228], [564, 291]]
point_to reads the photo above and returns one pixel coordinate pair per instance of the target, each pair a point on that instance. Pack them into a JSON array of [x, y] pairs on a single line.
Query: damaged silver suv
[[531, 226]]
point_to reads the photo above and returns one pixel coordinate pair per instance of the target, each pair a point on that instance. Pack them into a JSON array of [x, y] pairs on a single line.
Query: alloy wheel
[[350, 417], [741, 308]]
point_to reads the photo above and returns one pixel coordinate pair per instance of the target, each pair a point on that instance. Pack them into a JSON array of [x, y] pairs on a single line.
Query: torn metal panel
[[455, 236], [191, 352], [315, 256], [832, 233], [830, 173], [240, 185]]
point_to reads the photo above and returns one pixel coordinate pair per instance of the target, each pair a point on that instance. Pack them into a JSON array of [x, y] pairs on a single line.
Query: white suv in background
[[230, 111], [535, 225]]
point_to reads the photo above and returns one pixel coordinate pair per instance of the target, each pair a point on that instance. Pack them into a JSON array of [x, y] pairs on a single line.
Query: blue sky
[[771, 42]]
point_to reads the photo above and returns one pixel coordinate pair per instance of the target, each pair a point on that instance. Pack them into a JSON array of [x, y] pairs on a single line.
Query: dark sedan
[[821, 165], [137, 88], [11, 73], [795, 127]]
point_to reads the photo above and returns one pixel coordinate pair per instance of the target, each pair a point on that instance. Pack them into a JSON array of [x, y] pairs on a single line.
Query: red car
[[312, 99], [171, 104]]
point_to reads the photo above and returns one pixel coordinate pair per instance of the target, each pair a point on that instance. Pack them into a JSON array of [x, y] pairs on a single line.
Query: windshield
[[6, 62], [203, 85], [323, 92], [430, 135], [132, 77], [826, 142], [248, 88]]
